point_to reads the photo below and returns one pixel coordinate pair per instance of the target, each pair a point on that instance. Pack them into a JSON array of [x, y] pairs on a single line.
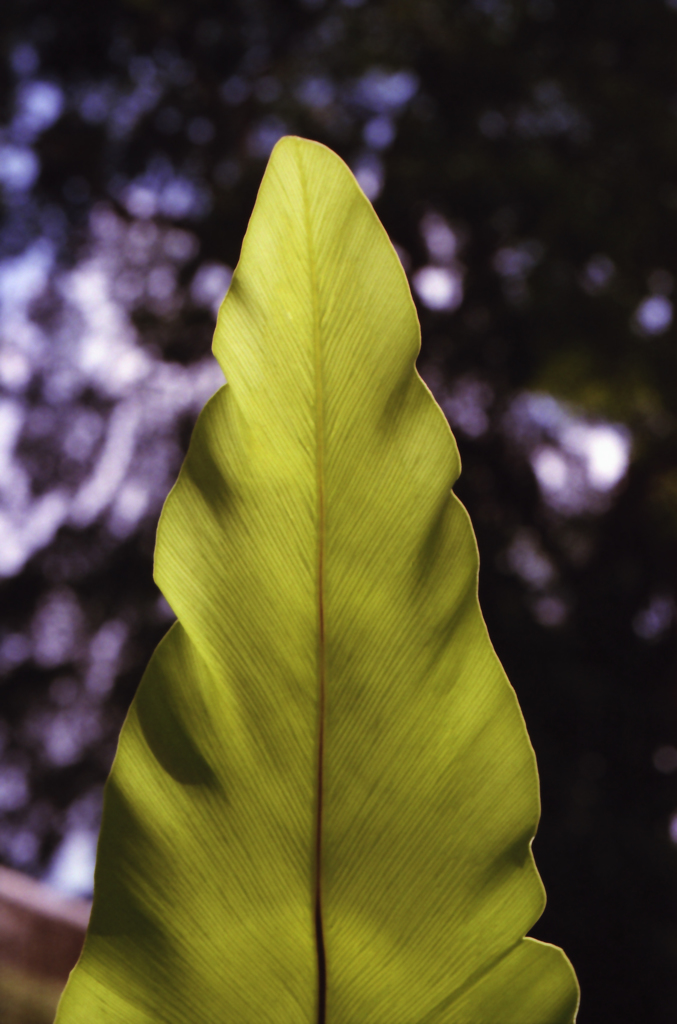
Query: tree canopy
[[522, 157]]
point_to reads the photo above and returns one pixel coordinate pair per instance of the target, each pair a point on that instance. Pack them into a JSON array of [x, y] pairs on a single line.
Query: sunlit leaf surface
[[324, 796]]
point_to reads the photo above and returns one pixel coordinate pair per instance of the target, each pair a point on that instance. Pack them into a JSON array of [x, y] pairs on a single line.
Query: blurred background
[[522, 155]]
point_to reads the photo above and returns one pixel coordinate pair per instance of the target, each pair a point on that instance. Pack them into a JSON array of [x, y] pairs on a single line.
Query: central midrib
[[321, 654]]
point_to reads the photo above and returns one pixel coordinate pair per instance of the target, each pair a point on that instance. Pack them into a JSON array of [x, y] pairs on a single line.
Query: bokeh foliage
[[543, 131]]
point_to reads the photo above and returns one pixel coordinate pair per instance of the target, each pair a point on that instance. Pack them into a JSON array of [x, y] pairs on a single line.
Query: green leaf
[[324, 796]]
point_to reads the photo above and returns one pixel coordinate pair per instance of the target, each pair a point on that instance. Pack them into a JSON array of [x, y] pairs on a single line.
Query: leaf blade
[[314, 516]]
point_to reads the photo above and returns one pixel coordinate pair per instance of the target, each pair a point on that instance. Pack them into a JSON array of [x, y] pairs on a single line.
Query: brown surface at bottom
[[41, 935], [41, 932], [25, 999]]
